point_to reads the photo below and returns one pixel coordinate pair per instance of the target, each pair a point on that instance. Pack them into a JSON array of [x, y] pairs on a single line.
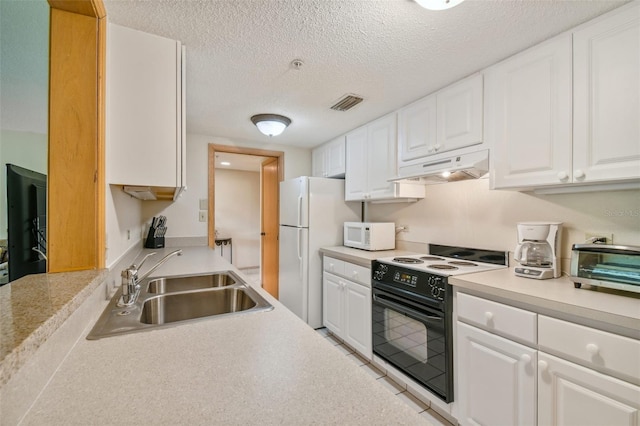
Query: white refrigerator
[[312, 215]]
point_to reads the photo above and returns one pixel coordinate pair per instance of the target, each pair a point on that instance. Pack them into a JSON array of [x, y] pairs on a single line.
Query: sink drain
[[123, 313]]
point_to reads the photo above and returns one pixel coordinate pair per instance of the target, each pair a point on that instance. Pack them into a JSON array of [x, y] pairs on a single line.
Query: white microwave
[[370, 235]]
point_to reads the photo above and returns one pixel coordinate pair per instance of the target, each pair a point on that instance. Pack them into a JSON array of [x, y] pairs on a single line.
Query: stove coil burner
[[407, 260], [428, 258], [439, 266], [462, 263]]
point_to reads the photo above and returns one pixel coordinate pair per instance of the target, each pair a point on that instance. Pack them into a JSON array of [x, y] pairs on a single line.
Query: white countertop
[[361, 257], [613, 310], [262, 367]]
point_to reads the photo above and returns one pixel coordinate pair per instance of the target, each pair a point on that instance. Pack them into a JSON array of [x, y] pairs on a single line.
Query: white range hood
[[471, 165]]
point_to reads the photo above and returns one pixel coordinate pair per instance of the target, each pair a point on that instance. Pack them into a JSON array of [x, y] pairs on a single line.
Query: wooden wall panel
[[73, 143]]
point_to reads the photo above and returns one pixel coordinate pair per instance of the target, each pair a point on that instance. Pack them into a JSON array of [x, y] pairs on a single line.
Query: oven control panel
[[424, 283]]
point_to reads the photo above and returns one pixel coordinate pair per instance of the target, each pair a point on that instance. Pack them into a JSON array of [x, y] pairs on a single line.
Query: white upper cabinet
[[145, 111], [371, 161], [328, 160], [606, 109], [529, 116], [565, 113], [447, 120]]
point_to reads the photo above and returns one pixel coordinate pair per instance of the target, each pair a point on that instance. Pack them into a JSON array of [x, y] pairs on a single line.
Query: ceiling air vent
[[347, 102]]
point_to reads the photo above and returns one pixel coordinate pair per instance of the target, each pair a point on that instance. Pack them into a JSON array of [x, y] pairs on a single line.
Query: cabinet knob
[[563, 175], [593, 349], [542, 365], [526, 358], [488, 315], [437, 147], [578, 174]]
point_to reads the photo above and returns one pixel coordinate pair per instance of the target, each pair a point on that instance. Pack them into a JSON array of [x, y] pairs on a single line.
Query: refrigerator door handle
[[299, 247], [299, 210]]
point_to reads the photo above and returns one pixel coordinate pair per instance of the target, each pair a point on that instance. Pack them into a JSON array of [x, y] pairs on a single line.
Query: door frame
[[212, 149]]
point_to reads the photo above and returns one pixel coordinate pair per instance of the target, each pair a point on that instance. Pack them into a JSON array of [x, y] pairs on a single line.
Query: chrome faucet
[[131, 281]]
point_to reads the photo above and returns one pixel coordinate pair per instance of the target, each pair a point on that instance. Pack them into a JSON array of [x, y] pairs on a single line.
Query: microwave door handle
[[383, 301]]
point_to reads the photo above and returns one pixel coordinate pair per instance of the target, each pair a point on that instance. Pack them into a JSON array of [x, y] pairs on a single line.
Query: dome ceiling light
[[270, 124], [438, 4]]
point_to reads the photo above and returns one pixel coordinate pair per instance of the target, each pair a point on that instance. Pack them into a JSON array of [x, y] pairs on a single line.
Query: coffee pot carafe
[[538, 250]]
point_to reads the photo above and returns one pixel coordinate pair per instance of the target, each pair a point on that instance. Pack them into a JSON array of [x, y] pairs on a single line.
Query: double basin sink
[[174, 300]]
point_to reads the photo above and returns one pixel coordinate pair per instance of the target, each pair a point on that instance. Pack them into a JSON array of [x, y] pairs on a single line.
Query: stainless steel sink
[[171, 301], [184, 306], [194, 282]]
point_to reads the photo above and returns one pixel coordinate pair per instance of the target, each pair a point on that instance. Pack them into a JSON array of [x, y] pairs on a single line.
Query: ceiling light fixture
[[438, 4], [271, 124]]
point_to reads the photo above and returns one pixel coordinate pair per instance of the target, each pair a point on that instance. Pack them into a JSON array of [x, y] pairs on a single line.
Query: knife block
[[153, 241]]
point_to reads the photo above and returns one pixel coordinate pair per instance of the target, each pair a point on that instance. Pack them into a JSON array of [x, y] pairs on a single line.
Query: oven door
[[416, 339]]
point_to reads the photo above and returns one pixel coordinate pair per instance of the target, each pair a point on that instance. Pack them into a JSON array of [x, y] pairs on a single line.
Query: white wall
[[24, 149], [469, 214], [182, 216], [238, 214]]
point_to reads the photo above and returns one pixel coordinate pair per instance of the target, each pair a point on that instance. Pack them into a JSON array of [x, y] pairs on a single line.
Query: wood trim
[[213, 148], [91, 8], [76, 188], [101, 227]]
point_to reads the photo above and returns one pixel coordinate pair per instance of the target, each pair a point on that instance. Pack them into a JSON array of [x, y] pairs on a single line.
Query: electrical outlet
[[598, 237], [203, 216], [404, 228]]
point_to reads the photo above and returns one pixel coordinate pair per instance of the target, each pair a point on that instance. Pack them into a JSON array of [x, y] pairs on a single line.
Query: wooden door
[[269, 226]]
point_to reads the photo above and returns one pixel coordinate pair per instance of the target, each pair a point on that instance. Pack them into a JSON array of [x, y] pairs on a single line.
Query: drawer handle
[[526, 358], [488, 316], [593, 349], [542, 365]]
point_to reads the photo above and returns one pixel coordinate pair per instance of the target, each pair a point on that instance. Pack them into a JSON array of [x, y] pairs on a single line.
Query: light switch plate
[[204, 204]]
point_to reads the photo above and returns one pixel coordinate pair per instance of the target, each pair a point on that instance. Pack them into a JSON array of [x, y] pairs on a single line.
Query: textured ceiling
[[390, 52]]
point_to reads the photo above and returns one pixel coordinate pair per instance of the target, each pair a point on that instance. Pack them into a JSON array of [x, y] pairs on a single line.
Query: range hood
[[459, 167]]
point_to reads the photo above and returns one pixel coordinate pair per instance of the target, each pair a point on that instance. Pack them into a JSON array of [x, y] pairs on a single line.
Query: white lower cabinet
[[496, 377], [346, 304], [569, 394], [567, 375]]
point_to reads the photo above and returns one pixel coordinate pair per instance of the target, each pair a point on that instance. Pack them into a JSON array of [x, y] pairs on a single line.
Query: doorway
[[271, 172]]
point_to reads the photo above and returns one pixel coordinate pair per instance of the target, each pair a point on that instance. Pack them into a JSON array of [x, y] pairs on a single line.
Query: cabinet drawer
[[514, 323], [335, 266], [614, 354], [358, 273]]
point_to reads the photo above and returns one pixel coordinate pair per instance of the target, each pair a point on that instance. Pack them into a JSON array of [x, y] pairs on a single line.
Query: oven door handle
[[383, 301]]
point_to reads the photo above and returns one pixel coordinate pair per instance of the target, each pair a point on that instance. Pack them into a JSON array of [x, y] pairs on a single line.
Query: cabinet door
[[529, 116], [355, 183], [318, 156], [417, 129], [381, 152], [332, 303], [357, 324], [143, 108], [459, 111], [606, 144], [496, 379], [335, 158], [569, 394]]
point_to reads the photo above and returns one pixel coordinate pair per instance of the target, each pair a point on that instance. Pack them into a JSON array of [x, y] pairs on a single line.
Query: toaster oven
[[606, 265]]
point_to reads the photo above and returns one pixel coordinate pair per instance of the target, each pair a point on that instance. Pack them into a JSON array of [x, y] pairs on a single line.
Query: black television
[[27, 221]]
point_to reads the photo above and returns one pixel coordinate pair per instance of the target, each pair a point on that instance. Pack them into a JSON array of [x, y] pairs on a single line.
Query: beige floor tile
[[390, 385], [435, 418], [372, 371], [413, 402], [344, 349], [357, 359]]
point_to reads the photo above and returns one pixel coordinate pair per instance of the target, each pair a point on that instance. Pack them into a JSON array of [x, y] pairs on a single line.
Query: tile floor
[[434, 418], [385, 380]]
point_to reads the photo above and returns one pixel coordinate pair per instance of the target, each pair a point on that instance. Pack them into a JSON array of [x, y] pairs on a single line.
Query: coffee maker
[[538, 250]]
